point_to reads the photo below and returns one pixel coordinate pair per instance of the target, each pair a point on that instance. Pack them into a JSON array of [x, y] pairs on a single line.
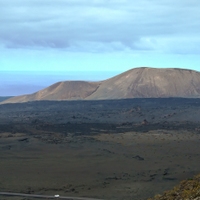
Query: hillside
[[188, 189], [67, 90], [4, 98], [141, 82], [150, 83]]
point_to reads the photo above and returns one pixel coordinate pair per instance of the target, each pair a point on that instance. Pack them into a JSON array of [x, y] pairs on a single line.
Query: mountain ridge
[[141, 82]]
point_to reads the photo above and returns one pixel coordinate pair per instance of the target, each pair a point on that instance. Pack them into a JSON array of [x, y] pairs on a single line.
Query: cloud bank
[[101, 25]]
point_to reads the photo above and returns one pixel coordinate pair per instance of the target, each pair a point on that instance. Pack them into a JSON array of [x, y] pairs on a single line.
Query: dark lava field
[[109, 149]]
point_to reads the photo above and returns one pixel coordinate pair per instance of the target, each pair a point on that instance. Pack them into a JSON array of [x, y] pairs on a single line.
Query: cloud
[[101, 25]]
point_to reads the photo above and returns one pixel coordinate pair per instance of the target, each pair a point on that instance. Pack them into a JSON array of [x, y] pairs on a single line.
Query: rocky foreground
[[187, 189]]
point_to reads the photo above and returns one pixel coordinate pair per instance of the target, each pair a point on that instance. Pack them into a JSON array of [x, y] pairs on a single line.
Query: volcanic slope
[[141, 82], [150, 83], [66, 90]]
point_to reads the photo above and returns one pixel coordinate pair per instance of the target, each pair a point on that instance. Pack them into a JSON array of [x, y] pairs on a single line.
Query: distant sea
[[13, 83]]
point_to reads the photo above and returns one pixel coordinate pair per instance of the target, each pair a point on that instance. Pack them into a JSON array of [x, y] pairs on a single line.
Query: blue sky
[[93, 39]]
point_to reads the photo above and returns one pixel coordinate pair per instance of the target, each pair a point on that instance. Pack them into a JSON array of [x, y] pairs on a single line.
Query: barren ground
[[111, 153]]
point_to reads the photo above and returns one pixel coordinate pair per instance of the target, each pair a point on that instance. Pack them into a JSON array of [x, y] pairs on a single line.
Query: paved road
[[44, 196]]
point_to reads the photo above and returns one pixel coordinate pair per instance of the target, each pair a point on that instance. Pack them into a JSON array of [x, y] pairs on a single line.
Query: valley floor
[[127, 165], [113, 150]]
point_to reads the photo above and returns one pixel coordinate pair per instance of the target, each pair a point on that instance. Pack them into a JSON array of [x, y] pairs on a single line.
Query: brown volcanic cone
[[70, 90], [150, 82], [136, 83]]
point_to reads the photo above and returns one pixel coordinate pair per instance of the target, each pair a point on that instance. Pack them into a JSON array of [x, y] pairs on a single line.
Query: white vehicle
[[57, 195]]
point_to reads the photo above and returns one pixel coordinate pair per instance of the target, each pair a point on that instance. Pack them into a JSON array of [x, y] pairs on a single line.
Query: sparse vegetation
[[186, 190]]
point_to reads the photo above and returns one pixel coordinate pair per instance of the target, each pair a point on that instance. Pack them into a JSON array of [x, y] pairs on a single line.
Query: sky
[[42, 42]]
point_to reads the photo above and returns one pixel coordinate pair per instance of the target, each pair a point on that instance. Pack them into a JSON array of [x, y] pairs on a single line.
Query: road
[[45, 196]]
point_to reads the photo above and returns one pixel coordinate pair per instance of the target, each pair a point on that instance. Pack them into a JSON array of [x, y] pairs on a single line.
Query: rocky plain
[[106, 149]]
